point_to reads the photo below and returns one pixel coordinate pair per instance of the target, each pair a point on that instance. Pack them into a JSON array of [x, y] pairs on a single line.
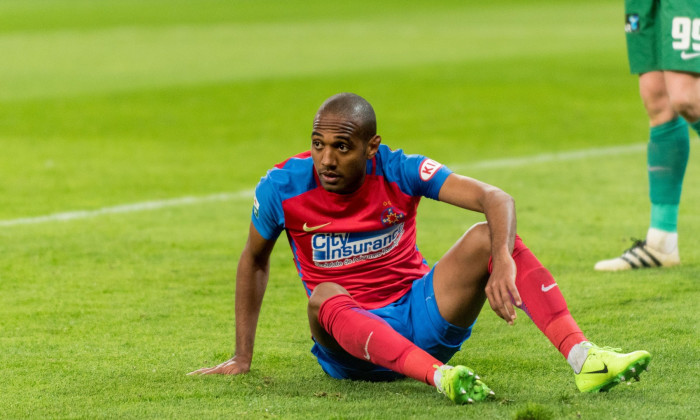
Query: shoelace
[[606, 348], [443, 370], [638, 243]]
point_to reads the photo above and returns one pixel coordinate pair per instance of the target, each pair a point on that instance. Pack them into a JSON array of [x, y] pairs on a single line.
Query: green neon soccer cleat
[[605, 367], [463, 386]]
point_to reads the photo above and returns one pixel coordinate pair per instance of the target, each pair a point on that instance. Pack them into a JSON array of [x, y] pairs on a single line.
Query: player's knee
[[479, 238], [658, 107], [655, 97], [686, 104], [321, 293]]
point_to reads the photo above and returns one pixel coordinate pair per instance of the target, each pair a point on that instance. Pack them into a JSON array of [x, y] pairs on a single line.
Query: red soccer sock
[[543, 301], [368, 337]]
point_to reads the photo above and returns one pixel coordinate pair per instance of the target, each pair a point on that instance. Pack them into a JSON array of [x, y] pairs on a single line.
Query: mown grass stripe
[[248, 193], [128, 58]]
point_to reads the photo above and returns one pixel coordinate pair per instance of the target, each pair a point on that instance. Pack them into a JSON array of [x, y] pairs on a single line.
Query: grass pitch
[[110, 103]]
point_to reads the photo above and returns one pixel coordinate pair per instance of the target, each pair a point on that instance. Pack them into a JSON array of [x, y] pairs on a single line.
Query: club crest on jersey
[[631, 23], [339, 249], [391, 217], [428, 168]]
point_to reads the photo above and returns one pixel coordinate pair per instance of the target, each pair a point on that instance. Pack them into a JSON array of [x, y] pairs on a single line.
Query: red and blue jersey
[[364, 241]]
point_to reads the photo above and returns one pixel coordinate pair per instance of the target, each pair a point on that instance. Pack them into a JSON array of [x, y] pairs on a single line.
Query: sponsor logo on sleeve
[[256, 207], [428, 169]]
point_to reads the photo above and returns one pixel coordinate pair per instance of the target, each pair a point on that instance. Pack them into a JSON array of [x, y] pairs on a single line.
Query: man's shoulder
[[296, 166], [390, 156], [303, 158], [393, 163], [289, 177]]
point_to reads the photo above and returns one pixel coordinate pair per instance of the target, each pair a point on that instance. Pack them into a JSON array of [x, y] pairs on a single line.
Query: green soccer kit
[[663, 35]]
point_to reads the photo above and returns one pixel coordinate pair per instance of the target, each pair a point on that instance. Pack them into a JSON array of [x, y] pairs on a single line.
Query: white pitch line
[[128, 208], [247, 194], [551, 157]]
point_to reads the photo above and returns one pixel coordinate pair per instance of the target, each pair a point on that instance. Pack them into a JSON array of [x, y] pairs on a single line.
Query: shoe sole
[[632, 371], [630, 267], [471, 389]]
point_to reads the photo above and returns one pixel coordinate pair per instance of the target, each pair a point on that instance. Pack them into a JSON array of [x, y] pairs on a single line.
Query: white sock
[[437, 376], [577, 356], [662, 241]]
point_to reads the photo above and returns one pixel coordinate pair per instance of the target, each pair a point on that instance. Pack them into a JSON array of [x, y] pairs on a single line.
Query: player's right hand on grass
[[233, 366]]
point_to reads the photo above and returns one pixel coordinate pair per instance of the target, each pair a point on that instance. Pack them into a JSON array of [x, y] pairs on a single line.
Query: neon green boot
[[462, 385], [605, 367]]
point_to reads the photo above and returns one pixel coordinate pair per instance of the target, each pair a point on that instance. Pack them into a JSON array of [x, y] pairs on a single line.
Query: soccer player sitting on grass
[[376, 310]]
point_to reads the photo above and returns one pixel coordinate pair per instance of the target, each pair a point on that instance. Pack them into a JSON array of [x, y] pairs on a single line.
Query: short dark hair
[[354, 107]]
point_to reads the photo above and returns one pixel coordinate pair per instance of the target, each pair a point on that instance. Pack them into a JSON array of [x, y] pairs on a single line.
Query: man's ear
[[373, 146]]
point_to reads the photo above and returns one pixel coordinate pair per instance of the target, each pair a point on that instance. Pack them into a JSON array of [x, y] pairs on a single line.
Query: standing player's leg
[[459, 282], [670, 98], [667, 156], [684, 92], [659, 38]]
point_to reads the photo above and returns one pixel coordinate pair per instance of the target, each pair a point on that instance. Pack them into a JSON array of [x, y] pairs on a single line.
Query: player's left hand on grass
[[229, 367], [501, 291]]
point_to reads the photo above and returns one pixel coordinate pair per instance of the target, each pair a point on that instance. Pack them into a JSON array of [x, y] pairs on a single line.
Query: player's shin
[[368, 337], [543, 301], [667, 158]]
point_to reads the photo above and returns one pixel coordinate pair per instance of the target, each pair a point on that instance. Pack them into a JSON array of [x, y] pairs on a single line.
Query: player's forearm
[[497, 206], [499, 209], [251, 281]]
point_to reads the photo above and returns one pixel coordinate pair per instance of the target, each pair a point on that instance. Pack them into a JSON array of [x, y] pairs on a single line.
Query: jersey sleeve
[[267, 217], [416, 175]]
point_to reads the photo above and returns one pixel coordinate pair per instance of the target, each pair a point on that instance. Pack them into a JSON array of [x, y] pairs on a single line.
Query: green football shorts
[[663, 35]]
